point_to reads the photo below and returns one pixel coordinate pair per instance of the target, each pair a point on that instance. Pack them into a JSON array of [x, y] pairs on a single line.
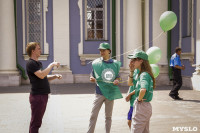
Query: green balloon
[[168, 20], [154, 55], [155, 70]]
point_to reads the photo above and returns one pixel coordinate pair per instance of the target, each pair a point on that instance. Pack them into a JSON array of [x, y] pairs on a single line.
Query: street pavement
[[70, 105]]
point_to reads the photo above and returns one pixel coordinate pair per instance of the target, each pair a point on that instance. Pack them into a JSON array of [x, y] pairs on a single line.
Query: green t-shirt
[[105, 74], [132, 88], [144, 80]]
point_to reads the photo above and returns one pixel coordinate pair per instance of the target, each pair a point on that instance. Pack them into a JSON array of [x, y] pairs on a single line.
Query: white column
[[132, 32], [159, 6], [61, 44], [198, 34], [146, 25], [61, 31], [7, 36], [132, 28], [118, 32], [8, 71], [196, 75]]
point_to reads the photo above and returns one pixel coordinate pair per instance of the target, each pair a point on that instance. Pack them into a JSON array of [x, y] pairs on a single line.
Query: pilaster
[[9, 76], [196, 75], [132, 32], [62, 40]]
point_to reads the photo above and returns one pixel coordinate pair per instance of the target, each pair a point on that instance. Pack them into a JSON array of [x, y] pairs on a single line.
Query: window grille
[[95, 19], [34, 21]]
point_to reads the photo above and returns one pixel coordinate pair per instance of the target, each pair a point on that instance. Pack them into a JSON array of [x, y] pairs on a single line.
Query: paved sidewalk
[[69, 108]]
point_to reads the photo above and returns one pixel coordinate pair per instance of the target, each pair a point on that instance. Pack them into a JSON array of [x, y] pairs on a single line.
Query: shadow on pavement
[[195, 101], [169, 87], [79, 88], [15, 89], [86, 88]]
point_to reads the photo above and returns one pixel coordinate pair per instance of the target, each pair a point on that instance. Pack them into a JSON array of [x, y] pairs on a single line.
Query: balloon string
[[128, 52], [112, 82], [135, 48], [120, 80], [140, 46]]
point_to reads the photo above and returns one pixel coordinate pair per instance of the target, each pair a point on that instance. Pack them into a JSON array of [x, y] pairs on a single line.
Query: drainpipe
[[23, 73], [114, 29], [169, 45], [143, 24]]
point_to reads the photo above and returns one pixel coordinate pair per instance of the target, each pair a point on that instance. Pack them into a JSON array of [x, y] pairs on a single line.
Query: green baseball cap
[[104, 45], [138, 54]]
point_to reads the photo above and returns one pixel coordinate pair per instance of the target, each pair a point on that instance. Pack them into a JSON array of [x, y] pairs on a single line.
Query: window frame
[[104, 22], [28, 34], [187, 55], [45, 46], [189, 18]]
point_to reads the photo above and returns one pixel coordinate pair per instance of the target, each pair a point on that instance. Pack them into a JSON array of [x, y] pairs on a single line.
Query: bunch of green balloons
[[154, 55], [168, 20], [155, 70]]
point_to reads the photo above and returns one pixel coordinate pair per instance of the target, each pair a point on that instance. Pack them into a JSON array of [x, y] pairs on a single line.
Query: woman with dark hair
[[144, 85]]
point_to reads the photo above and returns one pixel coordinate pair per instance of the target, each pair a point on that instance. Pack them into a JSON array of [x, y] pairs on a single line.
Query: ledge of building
[[42, 57], [10, 78], [14, 79], [67, 76], [82, 78], [87, 57], [195, 79]]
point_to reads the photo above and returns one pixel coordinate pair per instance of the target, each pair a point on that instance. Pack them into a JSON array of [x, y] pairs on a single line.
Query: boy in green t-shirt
[[105, 74], [131, 97]]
